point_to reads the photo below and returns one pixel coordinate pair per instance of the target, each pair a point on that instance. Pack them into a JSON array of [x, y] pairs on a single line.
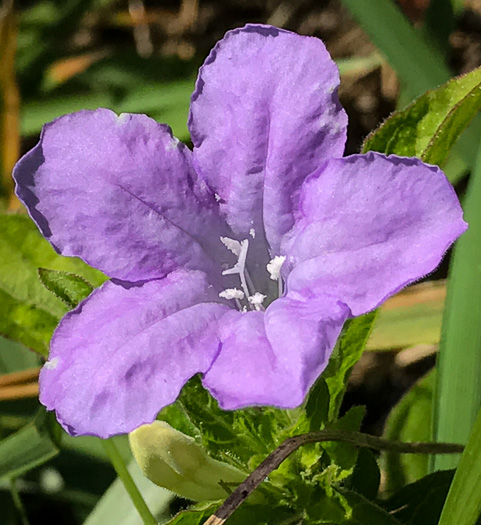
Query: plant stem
[[17, 501], [129, 484], [293, 443]]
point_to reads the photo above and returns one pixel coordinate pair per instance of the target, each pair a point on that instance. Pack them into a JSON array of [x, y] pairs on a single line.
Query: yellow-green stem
[[129, 484]]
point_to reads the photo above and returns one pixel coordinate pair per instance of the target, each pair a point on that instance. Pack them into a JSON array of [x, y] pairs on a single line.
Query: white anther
[[231, 293], [232, 245], [256, 300], [274, 266], [217, 198], [252, 233]]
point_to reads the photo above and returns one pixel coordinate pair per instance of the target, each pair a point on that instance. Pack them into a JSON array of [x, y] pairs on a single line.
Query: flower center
[[247, 298]]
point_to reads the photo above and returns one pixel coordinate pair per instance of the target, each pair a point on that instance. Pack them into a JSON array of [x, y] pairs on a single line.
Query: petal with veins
[[274, 357], [121, 194], [125, 352], [264, 115], [369, 226]]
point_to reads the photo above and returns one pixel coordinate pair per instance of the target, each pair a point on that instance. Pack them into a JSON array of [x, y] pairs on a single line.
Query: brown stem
[[293, 443]]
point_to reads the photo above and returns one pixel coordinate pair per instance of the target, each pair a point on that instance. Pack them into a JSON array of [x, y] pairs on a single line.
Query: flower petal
[[126, 352], [274, 357], [370, 225], [120, 193], [264, 115]]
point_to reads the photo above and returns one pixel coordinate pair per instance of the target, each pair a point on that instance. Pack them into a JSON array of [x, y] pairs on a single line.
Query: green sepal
[[68, 287], [429, 127]]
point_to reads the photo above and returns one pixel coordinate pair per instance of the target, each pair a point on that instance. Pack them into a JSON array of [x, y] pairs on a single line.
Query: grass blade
[[463, 504], [417, 63], [458, 389]]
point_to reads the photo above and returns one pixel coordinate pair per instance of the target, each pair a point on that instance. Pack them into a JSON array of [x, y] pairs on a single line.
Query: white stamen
[[232, 245], [252, 233], [217, 197], [274, 266], [51, 364], [256, 300], [231, 293], [240, 266]]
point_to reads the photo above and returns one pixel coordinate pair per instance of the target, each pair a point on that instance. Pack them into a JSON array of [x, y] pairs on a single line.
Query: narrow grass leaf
[[29, 447], [458, 388], [116, 507], [417, 63], [463, 504]]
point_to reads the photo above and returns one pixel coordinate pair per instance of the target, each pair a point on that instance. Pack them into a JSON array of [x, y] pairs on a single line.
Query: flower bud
[[176, 462]]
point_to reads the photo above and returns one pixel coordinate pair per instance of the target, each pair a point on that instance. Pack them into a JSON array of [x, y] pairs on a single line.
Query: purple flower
[[241, 260]]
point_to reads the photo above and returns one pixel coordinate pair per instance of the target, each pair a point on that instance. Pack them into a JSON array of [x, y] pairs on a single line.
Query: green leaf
[[421, 503], [365, 512], [347, 353], [430, 126], [30, 446], [463, 504], [419, 66], [26, 323], [329, 509], [344, 455], [68, 287], [410, 420], [248, 435], [366, 475], [15, 357], [28, 312], [244, 514], [194, 516], [317, 407]]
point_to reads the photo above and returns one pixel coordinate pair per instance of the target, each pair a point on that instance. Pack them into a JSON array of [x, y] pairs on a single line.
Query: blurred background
[[59, 56]]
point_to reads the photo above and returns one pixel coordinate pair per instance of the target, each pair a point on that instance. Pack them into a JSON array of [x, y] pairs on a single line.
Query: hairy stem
[[290, 445]]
